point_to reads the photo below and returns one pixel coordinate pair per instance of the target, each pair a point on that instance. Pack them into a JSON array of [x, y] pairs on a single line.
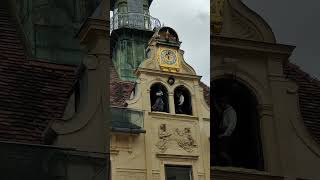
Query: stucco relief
[[217, 7], [216, 15], [232, 18], [183, 138], [243, 27]]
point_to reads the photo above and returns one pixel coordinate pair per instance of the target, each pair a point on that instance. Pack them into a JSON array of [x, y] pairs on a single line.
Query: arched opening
[[159, 98], [182, 100], [244, 145]]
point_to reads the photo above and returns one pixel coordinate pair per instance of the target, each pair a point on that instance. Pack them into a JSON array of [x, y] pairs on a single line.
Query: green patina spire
[[131, 28]]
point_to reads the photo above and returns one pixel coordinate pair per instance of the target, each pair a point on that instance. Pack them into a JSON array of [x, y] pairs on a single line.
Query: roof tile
[[33, 92], [309, 98]]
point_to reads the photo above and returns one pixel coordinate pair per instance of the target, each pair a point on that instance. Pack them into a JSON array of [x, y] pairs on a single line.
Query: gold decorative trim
[[175, 67]]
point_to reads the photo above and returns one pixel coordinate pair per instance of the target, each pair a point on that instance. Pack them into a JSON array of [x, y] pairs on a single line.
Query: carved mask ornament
[[216, 10]]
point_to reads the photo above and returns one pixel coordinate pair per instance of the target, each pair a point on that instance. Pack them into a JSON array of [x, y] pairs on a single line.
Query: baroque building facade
[[277, 132], [165, 138], [160, 114]]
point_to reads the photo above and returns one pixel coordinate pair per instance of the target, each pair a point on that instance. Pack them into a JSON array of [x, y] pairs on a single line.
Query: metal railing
[[134, 21], [126, 118]]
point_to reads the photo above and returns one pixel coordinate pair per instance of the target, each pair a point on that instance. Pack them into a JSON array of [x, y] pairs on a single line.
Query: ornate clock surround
[[168, 59]]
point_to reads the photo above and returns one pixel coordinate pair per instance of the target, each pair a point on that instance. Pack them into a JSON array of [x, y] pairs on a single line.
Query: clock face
[[168, 56]]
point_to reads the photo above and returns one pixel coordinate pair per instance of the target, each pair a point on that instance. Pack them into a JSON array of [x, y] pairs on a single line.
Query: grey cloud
[[191, 21], [296, 23]]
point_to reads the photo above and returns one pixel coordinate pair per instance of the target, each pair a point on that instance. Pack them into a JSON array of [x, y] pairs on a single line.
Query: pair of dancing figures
[[159, 103]]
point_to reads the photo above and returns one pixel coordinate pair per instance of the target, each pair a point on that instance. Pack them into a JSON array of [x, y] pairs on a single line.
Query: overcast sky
[[191, 21], [294, 22]]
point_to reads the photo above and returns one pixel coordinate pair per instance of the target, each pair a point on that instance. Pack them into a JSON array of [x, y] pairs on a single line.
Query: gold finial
[[216, 10]]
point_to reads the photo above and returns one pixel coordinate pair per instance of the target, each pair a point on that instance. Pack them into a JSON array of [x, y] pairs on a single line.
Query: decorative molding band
[[114, 152], [266, 109], [131, 170], [277, 77], [172, 156], [163, 73], [162, 115], [254, 46]]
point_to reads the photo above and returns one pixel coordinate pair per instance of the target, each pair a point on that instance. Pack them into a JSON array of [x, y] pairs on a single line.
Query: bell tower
[[131, 27]]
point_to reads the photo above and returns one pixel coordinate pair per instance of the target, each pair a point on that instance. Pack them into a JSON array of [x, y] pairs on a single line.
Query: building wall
[[80, 150], [249, 50], [87, 129], [144, 156]]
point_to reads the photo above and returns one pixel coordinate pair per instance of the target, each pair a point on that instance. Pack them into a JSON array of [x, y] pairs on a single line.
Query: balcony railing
[[126, 119], [134, 21]]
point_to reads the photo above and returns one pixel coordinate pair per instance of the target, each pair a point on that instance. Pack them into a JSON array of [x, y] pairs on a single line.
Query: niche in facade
[[159, 98], [182, 100], [239, 146]]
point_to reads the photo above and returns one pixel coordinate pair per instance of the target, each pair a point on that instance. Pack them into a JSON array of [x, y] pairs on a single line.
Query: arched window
[[159, 98], [235, 129], [182, 100]]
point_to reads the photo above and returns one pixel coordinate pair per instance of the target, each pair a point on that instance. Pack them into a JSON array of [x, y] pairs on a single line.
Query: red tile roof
[[309, 98], [120, 90], [32, 93], [206, 92]]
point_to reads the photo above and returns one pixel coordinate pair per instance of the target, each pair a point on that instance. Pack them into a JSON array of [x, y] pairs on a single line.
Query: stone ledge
[[173, 156], [231, 173], [173, 116]]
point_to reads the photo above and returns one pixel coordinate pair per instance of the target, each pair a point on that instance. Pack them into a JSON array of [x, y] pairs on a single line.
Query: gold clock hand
[[167, 56]]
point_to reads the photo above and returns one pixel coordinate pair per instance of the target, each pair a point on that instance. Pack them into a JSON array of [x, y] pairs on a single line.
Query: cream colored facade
[[144, 156], [244, 44]]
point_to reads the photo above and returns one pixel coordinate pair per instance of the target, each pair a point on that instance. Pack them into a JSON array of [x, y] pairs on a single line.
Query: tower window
[[159, 98], [182, 100], [235, 129]]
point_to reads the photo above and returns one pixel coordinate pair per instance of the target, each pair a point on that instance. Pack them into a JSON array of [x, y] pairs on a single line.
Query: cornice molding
[[93, 25], [173, 156], [243, 44], [163, 73], [162, 115]]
